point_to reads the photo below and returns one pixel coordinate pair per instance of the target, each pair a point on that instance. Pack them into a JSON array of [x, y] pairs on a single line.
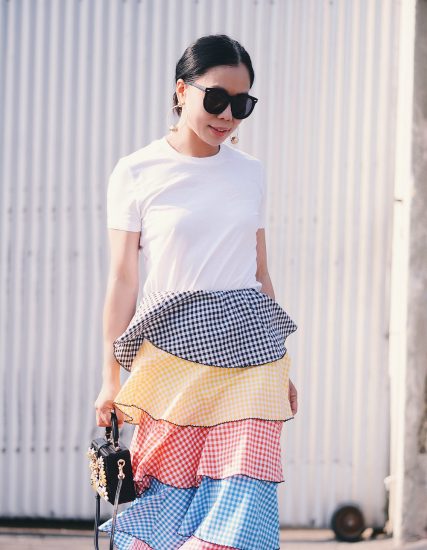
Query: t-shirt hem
[[123, 228]]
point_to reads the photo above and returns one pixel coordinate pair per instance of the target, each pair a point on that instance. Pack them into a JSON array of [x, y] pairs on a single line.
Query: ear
[[181, 86]]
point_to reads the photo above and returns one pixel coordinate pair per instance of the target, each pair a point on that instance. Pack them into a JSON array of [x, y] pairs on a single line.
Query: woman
[[209, 388]]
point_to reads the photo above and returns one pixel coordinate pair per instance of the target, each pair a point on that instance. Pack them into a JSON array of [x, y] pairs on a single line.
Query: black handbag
[[111, 474]]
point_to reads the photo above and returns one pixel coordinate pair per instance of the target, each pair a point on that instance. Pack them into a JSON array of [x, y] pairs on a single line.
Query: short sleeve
[[122, 207], [263, 201]]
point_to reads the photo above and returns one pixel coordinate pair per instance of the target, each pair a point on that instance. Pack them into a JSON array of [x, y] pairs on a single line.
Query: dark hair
[[207, 52]]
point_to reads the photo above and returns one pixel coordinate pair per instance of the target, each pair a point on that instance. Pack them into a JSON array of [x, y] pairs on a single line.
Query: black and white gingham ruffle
[[224, 328]]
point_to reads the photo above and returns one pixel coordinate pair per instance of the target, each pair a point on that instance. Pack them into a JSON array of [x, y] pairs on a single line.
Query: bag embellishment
[[98, 479]]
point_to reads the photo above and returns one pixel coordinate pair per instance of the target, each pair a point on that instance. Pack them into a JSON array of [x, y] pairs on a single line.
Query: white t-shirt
[[198, 216]]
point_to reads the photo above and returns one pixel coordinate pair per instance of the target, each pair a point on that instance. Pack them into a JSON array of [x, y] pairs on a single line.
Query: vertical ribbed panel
[[85, 82], [328, 129]]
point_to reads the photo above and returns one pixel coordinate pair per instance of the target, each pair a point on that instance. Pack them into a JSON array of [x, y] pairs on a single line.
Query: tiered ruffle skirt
[[208, 394]]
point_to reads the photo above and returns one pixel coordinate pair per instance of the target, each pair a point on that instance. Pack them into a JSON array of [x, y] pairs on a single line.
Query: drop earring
[[235, 139], [174, 127]]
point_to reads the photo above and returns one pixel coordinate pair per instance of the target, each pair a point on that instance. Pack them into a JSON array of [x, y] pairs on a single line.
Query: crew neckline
[[199, 160]]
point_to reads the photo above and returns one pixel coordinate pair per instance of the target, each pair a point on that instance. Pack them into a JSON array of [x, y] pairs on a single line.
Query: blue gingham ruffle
[[238, 511]]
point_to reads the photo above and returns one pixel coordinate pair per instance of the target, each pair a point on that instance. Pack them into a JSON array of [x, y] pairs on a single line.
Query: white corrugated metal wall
[[84, 82]]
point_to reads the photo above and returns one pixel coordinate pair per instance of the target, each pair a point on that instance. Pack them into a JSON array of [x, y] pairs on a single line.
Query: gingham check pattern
[[188, 393], [239, 512], [181, 455], [206, 448], [193, 543], [223, 328]]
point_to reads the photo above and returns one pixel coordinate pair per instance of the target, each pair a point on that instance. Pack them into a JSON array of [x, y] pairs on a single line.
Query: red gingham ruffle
[[181, 455], [193, 543]]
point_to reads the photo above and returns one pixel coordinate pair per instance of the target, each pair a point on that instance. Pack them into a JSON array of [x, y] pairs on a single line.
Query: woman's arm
[[121, 294], [119, 308], [263, 277]]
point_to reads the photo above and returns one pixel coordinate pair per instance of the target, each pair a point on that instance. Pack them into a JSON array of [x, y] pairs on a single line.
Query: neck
[[185, 141]]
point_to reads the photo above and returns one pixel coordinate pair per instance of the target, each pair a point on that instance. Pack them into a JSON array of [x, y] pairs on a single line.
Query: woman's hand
[[293, 397], [104, 404]]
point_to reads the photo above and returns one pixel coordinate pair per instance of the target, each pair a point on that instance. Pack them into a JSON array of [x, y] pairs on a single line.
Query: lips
[[220, 130]]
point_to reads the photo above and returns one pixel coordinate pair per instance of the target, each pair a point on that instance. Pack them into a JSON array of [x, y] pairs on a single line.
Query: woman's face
[[234, 80]]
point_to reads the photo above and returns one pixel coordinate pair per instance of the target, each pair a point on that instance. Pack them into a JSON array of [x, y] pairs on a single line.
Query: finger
[[120, 422], [105, 419], [120, 416], [101, 423]]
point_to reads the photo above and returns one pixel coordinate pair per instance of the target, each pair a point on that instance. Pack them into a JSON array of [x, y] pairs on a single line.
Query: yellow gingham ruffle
[[188, 393]]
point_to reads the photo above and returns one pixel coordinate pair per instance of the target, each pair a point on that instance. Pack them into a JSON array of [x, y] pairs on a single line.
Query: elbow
[[125, 281]]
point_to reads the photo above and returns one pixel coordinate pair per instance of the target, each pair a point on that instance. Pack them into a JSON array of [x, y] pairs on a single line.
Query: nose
[[226, 113]]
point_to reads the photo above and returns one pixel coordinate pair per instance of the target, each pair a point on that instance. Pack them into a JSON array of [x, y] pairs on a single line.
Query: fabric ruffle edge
[[223, 328], [181, 455], [193, 543], [188, 393], [219, 512]]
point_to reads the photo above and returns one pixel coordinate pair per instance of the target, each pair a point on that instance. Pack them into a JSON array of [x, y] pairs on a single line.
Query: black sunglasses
[[217, 99]]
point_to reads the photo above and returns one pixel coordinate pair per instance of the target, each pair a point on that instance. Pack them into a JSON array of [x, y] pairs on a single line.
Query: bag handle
[[113, 428], [97, 516]]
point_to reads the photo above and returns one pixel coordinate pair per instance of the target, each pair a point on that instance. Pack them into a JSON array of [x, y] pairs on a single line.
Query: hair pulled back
[[207, 52]]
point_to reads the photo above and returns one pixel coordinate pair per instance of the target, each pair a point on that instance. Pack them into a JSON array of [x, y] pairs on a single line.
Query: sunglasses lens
[[215, 102], [242, 106]]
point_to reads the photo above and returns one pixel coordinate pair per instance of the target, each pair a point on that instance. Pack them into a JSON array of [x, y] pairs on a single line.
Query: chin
[[219, 139], [213, 141]]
